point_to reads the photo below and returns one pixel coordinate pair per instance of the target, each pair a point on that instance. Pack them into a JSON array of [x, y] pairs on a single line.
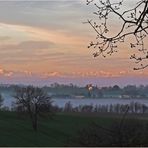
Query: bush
[[131, 133]]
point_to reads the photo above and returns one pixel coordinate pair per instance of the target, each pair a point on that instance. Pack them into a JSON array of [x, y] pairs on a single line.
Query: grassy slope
[[55, 132]]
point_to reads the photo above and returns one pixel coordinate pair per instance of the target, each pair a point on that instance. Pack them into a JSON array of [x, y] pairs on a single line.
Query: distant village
[[56, 90]]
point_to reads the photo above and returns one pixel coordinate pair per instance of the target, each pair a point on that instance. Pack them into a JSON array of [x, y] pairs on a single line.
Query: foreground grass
[[16, 131]]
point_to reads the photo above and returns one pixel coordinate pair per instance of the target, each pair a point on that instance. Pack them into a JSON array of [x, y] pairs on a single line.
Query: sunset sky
[[42, 42]]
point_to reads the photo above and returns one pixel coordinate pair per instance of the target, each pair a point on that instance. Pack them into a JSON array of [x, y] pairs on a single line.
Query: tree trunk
[[35, 119], [34, 125], [34, 122]]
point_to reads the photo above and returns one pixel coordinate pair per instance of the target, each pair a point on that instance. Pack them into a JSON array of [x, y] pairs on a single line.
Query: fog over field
[[8, 99]]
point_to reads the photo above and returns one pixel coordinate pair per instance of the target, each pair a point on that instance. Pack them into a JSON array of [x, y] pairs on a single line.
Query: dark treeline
[[133, 107], [89, 91]]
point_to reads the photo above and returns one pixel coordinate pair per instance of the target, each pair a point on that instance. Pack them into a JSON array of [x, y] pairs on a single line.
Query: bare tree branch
[[134, 24]]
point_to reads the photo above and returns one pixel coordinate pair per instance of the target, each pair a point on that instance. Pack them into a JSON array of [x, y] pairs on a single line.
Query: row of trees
[[89, 91], [133, 107]]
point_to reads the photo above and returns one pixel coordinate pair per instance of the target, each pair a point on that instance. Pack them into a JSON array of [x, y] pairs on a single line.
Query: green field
[[16, 131]]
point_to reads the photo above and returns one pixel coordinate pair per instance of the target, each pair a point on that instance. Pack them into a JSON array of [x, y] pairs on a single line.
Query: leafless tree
[[34, 101], [134, 24]]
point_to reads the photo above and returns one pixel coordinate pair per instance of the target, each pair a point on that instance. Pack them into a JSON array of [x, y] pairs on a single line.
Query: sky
[[42, 42]]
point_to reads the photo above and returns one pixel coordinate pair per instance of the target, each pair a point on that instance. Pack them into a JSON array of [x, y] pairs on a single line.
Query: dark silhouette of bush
[[132, 132]]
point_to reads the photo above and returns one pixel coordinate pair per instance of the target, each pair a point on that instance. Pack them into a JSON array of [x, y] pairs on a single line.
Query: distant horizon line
[[68, 84]]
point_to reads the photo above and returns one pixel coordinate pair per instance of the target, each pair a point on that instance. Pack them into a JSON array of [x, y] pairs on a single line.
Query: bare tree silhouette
[[34, 101], [134, 25]]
